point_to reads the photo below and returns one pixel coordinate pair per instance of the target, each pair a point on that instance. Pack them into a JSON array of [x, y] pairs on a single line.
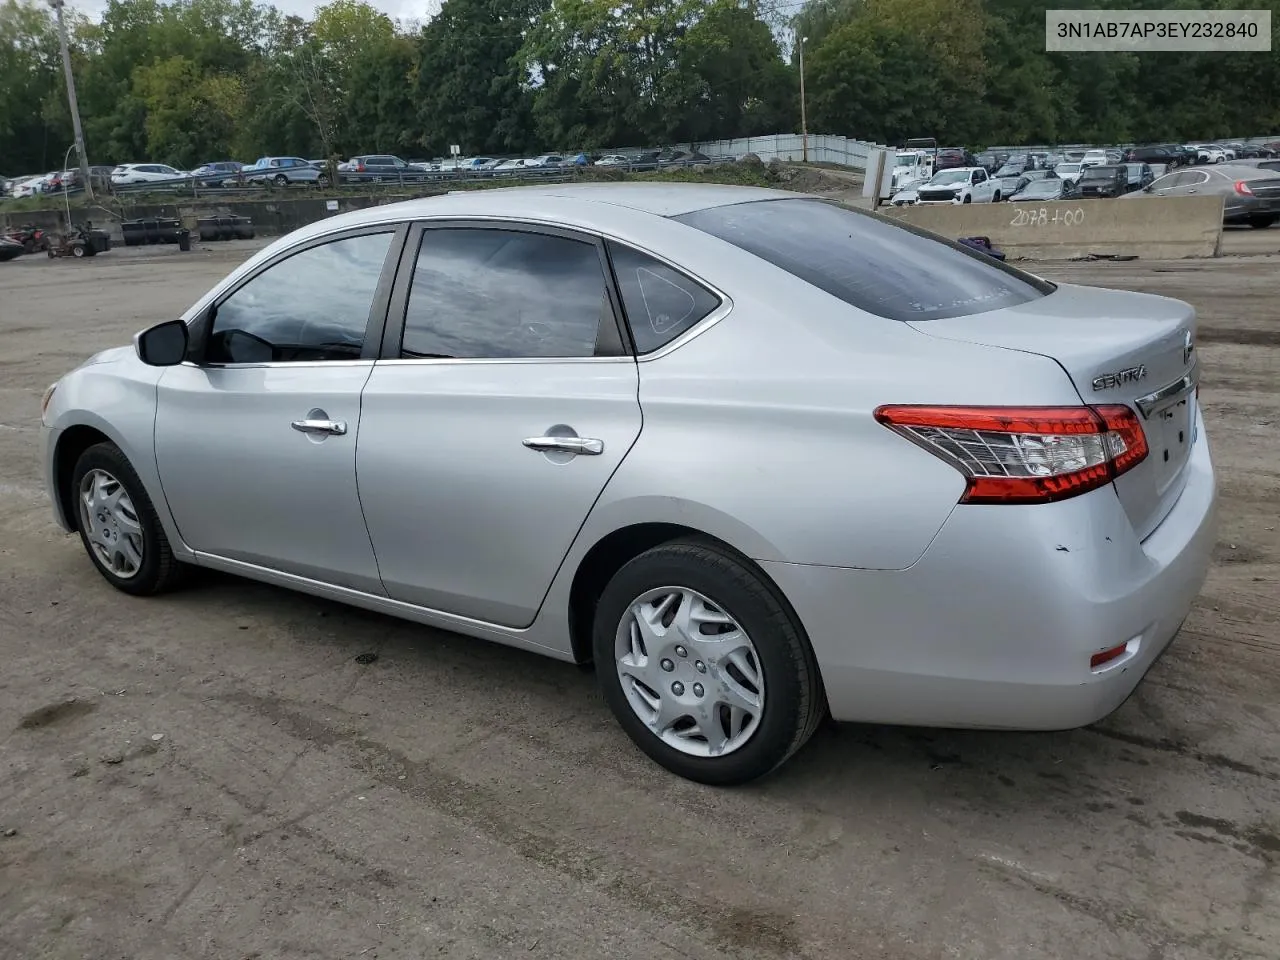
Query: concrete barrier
[[1153, 228]]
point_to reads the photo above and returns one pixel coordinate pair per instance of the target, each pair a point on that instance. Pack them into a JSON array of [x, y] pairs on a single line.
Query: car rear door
[[256, 436], [504, 402]]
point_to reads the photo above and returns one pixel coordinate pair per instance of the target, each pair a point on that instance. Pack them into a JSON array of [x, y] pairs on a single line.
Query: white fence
[[823, 148]]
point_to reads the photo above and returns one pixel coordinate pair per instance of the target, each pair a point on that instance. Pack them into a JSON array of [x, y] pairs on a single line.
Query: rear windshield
[[884, 267]]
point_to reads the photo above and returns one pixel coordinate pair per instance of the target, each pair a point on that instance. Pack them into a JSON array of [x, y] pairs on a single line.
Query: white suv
[[144, 173]]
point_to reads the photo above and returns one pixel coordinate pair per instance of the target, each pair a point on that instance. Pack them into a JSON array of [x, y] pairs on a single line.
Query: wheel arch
[[72, 442], [611, 552]]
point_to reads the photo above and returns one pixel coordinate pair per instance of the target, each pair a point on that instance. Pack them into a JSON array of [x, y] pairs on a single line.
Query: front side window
[[313, 305], [661, 303], [882, 266], [492, 294]]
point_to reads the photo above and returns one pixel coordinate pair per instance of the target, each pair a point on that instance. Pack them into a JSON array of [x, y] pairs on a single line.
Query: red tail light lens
[[1025, 454], [1242, 188]]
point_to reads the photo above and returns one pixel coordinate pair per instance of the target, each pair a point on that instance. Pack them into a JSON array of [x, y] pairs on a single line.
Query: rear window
[[884, 267]]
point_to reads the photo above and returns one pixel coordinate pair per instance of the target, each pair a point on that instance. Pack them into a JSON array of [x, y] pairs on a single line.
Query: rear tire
[[120, 530], [1261, 223], [712, 589], [280, 180]]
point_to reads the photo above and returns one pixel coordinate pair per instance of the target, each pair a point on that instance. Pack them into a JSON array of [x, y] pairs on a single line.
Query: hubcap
[[110, 523], [689, 672]]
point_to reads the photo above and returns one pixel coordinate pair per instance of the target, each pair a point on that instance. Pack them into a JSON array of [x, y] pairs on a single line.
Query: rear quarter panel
[[760, 429]]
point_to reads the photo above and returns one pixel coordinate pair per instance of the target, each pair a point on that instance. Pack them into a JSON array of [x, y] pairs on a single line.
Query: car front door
[[503, 405], [256, 436]]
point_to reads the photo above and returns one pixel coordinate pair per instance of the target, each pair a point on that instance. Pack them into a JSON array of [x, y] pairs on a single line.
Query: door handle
[[583, 445], [335, 428]]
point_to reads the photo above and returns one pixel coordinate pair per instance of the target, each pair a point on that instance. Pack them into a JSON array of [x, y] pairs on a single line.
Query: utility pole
[[71, 98], [804, 123]]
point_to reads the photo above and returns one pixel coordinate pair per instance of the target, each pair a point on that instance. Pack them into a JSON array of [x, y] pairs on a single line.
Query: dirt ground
[[211, 774]]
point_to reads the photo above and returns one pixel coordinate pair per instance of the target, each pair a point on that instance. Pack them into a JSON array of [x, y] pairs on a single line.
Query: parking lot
[[213, 774]]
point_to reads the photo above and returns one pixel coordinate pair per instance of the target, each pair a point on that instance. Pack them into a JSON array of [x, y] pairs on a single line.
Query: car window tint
[[660, 303], [489, 294], [312, 306], [882, 266]]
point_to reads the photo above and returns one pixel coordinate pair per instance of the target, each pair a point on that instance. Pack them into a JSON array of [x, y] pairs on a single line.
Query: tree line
[[187, 81]]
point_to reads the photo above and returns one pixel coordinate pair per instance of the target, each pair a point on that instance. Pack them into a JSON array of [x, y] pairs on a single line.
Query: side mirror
[[164, 345]]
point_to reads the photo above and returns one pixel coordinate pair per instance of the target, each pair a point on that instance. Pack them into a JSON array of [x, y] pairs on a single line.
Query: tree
[[470, 88]]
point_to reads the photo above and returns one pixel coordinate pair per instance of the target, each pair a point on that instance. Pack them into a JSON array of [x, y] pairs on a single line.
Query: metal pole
[[804, 124], [71, 98]]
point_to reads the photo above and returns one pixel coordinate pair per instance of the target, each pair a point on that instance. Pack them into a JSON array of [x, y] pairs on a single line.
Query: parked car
[[1111, 180], [127, 173], [953, 157], [380, 165], [1169, 156], [545, 160], [1137, 176], [1208, 153], [1015, 174], [989, 161], [1250, 195], [216, 173], [959, 185], [24, 187], [9, 249], [283, 171], [1095, 158], [1047, 188], [986, 444]]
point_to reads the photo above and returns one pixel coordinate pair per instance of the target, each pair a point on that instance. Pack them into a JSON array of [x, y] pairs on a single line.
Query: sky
[[396, 9]]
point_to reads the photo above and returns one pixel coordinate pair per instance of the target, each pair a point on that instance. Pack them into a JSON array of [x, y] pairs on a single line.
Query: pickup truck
[[960, 185]]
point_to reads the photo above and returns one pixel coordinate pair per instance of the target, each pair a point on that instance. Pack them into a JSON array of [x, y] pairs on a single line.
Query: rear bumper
[[995, 624]]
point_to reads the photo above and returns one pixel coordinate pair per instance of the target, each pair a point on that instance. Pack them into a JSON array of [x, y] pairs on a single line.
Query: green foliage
[[186, 81]]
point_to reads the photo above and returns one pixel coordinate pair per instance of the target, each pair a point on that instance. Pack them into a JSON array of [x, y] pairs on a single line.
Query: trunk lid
[[1117, 347]]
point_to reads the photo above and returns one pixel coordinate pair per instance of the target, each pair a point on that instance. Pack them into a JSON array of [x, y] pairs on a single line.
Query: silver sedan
[[761, 457]]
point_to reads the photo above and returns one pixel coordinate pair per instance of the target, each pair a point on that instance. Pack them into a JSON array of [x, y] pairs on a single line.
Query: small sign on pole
[[454, 149]]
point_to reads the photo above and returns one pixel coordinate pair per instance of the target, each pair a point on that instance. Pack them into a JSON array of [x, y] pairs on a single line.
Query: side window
[[660, 303], [979, 176], [488, 294], [1193, 179], [312, 306]]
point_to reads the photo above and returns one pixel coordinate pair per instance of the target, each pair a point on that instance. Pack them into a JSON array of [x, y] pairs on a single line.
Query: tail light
[[1242, 188], [1025, 454]]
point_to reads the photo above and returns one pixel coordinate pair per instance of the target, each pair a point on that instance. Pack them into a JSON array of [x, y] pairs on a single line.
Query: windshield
[[1067, 168], [1010, 170], [879, 265], [1100, 173], [906, 160], [950, 176]]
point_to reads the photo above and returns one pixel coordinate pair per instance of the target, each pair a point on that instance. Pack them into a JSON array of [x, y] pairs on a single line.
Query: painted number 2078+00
[[1043, 217]]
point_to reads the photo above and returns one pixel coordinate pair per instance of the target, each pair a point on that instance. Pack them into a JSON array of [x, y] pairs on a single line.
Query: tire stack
[[139, 233], [224, 228]]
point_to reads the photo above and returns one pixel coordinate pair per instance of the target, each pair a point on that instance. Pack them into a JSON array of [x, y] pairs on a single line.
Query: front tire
[[118, 524], [1261, 223], [968, 199], [703, 664]]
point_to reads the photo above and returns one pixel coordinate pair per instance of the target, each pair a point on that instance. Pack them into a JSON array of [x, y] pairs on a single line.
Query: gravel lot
[[211, 774]]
